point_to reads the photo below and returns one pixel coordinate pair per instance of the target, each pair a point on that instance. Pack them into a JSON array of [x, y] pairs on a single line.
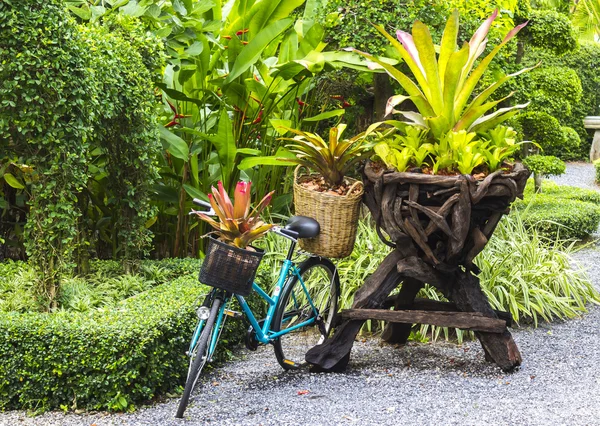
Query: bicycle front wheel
[[315, 297], [199, 358]]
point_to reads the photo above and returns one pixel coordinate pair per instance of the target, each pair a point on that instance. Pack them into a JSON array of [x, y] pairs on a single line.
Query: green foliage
[[106, 359], [106, 285], [546, 165], [456, 152], [552, 89], [531, 277], [77, 106], [351, 20], [544, 130], [550, 30], [46, 115], [584, 61], [571, 146], [597, 166], [562, 212], [586, 19]]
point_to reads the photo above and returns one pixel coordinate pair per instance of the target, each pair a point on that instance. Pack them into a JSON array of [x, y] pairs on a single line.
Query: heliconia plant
[[444, 85], [237, 225]]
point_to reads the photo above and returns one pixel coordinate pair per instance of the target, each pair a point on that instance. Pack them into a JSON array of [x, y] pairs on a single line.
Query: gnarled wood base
[[461, 287]]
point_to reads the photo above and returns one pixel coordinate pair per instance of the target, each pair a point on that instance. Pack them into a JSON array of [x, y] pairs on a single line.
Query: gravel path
[[581, 175], [439, 383]]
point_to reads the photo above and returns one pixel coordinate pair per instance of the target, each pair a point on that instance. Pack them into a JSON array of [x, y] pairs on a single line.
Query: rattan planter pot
[[229, 268], [448, 218], [337, 216]]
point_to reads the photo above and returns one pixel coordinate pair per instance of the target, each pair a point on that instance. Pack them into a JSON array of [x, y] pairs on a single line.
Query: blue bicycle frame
[[264, 334]]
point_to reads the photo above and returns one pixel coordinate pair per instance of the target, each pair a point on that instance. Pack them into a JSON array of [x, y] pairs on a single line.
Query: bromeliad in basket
[[325, 193], [231, 262]]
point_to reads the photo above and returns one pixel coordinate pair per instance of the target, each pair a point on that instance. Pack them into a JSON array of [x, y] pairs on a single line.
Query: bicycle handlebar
[[201, 203]]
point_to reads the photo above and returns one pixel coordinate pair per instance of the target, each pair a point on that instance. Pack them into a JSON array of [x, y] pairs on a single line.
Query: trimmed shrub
[[571, 145], [545, 165], [543, 129], [550, 30], [585, 61], [105, 359], [561, 211], [78, 107], [597, 166], [111, 358], [555, 90]]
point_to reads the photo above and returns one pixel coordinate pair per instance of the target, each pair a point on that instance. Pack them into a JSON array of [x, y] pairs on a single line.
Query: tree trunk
[[538, 178], [383, 91]]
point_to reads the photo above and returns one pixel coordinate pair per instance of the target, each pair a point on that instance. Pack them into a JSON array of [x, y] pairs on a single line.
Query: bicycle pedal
[[290, 362], [232, 314]]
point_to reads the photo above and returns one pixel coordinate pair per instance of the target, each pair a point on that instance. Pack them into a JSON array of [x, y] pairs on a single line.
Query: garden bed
[[561, 211], [106, 358]]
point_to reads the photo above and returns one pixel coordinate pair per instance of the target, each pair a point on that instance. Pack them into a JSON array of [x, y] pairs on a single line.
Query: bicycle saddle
[[306, 227]]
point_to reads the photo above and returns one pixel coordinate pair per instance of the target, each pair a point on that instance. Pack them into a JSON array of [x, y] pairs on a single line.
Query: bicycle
[[300, 315]]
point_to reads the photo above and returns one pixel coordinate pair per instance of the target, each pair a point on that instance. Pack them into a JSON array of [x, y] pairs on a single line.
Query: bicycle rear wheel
[[200, 357], [298, 304]]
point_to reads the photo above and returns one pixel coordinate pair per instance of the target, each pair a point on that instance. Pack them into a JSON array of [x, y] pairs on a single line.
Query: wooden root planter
[[337, 216], [437, 225]]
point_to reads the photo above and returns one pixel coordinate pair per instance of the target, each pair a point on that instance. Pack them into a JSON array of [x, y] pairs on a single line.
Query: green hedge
[[103, 360], [597, 166], [561, 211]]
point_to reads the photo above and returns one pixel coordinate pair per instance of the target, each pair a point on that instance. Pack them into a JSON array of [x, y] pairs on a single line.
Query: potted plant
[[231, 262], [442, 181], [323, 191]]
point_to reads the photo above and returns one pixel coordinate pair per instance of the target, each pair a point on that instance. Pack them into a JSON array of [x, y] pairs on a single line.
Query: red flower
[[259, 118]]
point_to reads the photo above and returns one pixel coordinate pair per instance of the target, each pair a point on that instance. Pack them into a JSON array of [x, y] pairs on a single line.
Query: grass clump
[[105, 285]]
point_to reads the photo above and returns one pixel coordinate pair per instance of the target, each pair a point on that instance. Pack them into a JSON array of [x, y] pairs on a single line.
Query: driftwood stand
[[437, 224]]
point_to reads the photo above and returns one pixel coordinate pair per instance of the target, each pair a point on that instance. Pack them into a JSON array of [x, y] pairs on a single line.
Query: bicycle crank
[[250, 340]]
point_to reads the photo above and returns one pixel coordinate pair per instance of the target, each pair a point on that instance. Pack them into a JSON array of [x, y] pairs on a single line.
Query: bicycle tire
[[293, 308], [200, 359]]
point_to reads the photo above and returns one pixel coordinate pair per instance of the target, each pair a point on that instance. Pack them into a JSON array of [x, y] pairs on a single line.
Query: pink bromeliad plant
[[237, 225], [442, 91]]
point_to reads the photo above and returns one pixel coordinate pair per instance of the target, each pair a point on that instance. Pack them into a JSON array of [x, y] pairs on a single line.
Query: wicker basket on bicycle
[[230, 268]]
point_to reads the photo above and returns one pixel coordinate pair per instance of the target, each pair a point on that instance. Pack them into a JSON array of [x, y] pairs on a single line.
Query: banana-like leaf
[[325, 115], [253, 51], [224, 141], [176, 146]]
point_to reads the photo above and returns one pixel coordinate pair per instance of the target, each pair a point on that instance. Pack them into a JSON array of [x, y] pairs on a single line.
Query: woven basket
[[229, 268], [337, 216]]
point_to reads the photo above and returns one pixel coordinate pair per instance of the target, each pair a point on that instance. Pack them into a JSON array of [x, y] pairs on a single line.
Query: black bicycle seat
[[306, 227]]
